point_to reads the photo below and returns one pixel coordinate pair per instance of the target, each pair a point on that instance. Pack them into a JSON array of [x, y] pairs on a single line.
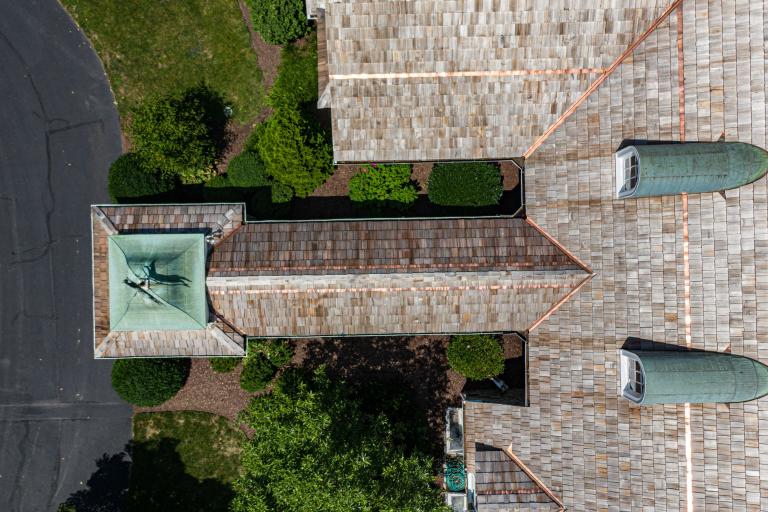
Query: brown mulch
[[208, 391], [338, 183], [420, 174], [268, 55], [238, 134], [510, 175]]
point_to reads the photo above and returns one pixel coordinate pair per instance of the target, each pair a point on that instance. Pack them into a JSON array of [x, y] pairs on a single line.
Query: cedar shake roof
[[502, 484], [305, 279], [688, 270], [386, 246], [422, 80], [389, 277], [217, 339]]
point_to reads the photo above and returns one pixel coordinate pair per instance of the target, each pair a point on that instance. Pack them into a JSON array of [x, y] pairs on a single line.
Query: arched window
[[632, 377], [627, 171]]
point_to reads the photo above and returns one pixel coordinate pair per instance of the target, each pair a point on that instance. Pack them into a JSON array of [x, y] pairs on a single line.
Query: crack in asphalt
[[37, 470]]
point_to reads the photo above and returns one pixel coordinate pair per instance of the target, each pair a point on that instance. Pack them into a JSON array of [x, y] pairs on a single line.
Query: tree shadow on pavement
[[149, 477], [107, 488]]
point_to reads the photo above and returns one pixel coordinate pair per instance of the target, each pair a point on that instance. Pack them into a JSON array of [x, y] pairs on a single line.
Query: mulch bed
[[208, 391]]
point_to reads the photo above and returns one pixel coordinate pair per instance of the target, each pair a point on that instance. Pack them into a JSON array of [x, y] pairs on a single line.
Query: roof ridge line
[[602, 78], [560, 246], [535, 479], [560, 302]]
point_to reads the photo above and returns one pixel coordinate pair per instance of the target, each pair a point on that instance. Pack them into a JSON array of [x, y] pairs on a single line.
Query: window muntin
[[627, 171]]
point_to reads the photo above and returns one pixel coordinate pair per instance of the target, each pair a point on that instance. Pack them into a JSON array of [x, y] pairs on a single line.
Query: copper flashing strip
[[602, 78], [473, 74], [526, 266], [686, 261], [559, 303], [533, 477], [381, 289], [557, 244]]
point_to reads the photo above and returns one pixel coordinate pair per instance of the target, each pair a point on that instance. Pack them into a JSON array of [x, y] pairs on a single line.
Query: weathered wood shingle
[[418, 80]]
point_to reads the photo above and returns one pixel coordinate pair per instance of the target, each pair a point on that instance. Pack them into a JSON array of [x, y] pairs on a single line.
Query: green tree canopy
[[181, 135], [295, 151], [279, 21], [317, 446]]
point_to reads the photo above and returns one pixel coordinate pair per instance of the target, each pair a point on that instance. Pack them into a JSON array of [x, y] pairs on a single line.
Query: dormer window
[[627, 171], [632, 376]]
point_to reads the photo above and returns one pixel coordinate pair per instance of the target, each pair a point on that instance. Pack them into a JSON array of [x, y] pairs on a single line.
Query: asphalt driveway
[[59, 131]]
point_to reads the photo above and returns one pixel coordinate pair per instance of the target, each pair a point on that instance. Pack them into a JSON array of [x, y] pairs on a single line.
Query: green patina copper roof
[[670, 169], [701, 377], [157, 282]]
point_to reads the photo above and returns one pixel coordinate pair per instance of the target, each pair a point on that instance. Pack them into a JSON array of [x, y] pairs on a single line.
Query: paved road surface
[[58, 134]]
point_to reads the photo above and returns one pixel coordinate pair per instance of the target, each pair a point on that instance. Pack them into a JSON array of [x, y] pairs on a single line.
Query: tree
[[476, 356], [383, 186], [279, 21], [181, 135], [318, 447], [131, 180], [465, 184], [295, 151], [149, 382]]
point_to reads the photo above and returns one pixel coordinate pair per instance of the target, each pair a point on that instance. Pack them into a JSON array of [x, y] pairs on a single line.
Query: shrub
[[384, 186], [247, 170], [296, 81], [224, 364], [465, 184], [281, 193], [131, 180], [476, 356], [295, 151], [181, 135], [257, 372], [149, 382], [279, 21], [265, 357]]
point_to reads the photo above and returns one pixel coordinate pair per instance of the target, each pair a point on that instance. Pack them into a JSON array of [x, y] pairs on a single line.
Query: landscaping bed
[[206, 390]]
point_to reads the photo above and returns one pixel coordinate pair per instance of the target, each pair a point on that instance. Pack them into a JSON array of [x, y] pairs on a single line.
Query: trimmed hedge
[[246, 170], [264, 359], [476, 356], [182, 134], [224, 364], [131, 180], [465, 184], [279, 21], [295, 151], [383, 186], [149, 382]]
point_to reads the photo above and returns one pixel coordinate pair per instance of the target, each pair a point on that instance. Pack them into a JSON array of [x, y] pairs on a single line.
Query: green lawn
[[183, 461], [156, 47]]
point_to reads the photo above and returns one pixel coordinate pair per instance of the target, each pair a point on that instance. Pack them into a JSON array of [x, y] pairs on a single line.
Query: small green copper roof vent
[[157, 282], [666, 377], [645, 170]]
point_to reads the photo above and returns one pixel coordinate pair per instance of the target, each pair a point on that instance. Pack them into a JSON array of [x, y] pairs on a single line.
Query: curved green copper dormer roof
[[695, 167], [157, 282], [695, 377]]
